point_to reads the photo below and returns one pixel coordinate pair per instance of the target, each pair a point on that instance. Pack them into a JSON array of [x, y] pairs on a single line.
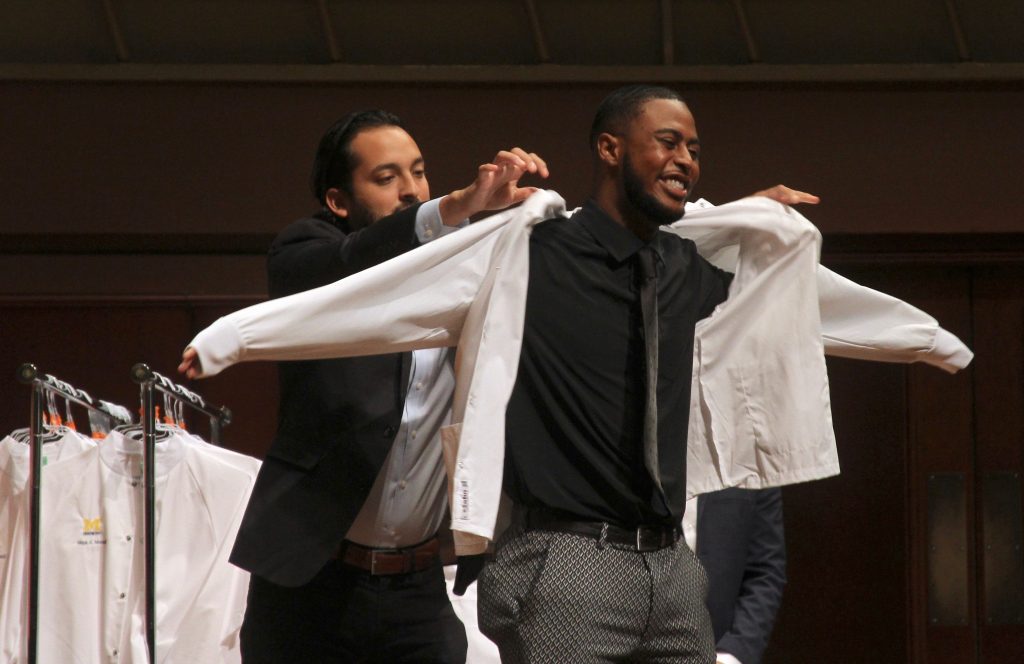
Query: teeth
[[675, 184]]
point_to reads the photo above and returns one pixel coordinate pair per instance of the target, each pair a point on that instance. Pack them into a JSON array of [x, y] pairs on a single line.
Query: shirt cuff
[[428, 222], [726, 658], [219, 346]]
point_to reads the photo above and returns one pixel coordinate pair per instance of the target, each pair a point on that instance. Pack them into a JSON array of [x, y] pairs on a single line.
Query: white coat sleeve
[[860, 323], [416, 300]]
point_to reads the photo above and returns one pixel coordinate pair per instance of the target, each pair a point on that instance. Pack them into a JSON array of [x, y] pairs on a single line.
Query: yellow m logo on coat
[[92, 525]]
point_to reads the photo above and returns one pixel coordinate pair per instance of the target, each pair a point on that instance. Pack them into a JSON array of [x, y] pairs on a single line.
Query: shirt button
[[403, 484], [414, 433], [419, 386], [121, 596], [128, 538]]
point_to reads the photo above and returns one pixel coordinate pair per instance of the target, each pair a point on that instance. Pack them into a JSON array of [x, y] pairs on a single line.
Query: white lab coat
[[760, 412]]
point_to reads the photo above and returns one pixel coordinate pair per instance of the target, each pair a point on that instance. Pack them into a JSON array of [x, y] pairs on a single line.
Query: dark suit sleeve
[[313, 252], [764, 579]]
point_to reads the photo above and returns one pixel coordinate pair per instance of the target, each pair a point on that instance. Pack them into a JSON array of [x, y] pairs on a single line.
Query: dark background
[[142, 178]]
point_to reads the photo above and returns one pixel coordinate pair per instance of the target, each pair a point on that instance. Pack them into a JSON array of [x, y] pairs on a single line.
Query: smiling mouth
[[677, 186]]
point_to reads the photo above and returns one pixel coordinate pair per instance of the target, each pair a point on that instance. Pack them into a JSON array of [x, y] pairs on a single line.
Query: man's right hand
[[496, 186], [190, 365]]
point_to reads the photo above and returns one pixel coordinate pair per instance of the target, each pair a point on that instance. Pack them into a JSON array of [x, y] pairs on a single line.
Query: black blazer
[[741, 544], [336, 418]]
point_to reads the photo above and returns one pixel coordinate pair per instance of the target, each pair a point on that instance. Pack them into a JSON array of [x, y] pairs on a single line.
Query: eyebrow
[[392, 166], [678, 135]]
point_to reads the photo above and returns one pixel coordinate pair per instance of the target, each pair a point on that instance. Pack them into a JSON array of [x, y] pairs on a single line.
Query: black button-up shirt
[[575, 418]]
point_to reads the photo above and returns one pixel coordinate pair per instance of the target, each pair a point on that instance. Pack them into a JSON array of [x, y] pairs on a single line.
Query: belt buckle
[[383, 553], [654, 538]]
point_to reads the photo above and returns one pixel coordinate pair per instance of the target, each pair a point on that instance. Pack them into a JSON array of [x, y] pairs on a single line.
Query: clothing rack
[[43, 384], [149, 382]]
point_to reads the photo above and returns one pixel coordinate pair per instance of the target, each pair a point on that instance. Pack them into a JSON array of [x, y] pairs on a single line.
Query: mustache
[[402, 205]]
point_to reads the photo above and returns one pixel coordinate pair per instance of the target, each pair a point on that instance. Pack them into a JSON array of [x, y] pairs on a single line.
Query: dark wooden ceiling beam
[[668, 46], [329, 33], [116, 35], [963, 49], [537, 30], [753, 53]]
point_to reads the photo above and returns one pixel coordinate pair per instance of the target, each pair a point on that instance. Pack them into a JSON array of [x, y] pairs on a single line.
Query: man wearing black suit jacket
[[741, 544], [340, 534]]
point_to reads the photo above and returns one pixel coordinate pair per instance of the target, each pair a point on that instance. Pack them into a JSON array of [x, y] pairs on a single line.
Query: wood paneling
[[999, 406], [234, 158], [846, 597]]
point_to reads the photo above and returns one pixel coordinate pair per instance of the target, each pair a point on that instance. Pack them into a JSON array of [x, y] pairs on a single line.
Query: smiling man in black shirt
[[594, 568]]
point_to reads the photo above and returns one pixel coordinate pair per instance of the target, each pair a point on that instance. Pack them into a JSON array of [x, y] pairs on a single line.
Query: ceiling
[[509, 39]]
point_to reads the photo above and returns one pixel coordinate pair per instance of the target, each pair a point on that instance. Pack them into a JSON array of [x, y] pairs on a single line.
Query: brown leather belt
[[383, 562]]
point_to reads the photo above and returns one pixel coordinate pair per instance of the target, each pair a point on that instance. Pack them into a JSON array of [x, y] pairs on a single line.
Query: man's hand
[[783, 194], [190, 364], [468, 569], [496, 186]]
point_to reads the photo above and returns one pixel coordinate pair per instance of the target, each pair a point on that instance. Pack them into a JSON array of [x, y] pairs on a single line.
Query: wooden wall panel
[[234, 158], [999, 406], [941, 441], [858, 568], [846, 600]]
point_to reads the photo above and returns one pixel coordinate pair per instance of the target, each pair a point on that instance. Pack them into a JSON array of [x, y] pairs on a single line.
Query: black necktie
[[649, 305]]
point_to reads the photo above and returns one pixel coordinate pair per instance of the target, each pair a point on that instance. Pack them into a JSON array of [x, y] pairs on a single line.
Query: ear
[[337, 201], [609, 149]]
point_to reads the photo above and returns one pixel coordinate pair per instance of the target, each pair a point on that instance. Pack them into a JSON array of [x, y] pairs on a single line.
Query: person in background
[[738, 537]]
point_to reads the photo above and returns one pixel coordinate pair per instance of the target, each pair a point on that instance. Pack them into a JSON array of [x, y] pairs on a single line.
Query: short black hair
[[624, 104], [334, 161]]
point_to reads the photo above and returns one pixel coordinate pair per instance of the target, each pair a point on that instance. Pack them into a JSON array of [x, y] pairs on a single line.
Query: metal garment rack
[[149, 382], [41, 385]]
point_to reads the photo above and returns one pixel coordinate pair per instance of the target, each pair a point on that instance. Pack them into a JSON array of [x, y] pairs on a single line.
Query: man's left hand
[[783, 194]]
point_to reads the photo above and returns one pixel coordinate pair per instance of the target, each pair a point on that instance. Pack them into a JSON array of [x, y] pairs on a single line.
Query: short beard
[[360, 216], [642, 201]]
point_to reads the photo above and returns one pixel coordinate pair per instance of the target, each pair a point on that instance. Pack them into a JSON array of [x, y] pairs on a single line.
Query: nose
[[684, 160], [408, 191]]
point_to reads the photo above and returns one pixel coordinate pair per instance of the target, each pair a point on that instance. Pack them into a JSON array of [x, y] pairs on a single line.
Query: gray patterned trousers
[[561, 597]]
